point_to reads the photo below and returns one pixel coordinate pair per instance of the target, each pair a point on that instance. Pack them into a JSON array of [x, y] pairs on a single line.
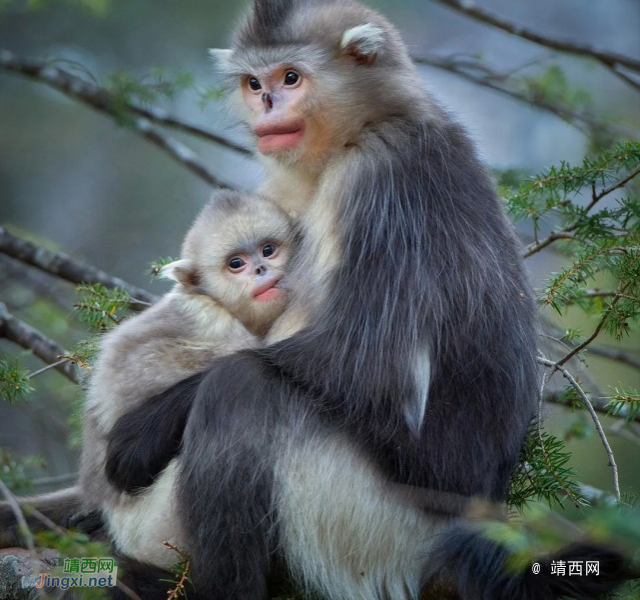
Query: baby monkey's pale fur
[[210, 312]]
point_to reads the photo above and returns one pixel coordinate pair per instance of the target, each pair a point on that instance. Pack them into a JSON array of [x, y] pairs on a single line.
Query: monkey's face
[[284, 114], [253, 283]]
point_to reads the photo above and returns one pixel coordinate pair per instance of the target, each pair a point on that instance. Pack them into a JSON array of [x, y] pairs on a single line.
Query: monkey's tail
[[63, 507], [480, 569]]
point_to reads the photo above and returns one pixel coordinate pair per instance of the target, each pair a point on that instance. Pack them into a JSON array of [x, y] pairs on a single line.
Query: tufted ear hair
[[364, 43], [221, 56], [182, 271]]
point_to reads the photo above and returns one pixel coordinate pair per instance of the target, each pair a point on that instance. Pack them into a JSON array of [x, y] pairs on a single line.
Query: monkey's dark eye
[[236, 263], [269, 250], [291, 78], [254, 84]]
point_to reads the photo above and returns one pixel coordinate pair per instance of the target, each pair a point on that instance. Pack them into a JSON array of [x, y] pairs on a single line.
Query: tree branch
[[617, 355], [103, 101], [18, 332], [62, 265], [481, 75], [556, 366], [610, 59]]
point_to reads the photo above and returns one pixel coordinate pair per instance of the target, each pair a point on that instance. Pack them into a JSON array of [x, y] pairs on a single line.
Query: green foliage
[[101, 308], [85, 351], [17, 472], [544, 473], [625, 402], [158, 85], [156, 266], [209, 95], [553, 88], [14, 382], [604, 242], [74, 544]]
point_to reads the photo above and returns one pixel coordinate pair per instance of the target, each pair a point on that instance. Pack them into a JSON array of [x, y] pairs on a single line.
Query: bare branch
[[611, 60], [480, 74], [17, 512], [617, 355], [626, 78], [103, 101], [62, 265], [55, 480], [18, 332], [14, 504], [556, 366]]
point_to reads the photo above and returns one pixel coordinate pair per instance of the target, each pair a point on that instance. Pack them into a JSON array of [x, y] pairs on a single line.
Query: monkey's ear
[[182, 271], [363, 43], [221, 56]]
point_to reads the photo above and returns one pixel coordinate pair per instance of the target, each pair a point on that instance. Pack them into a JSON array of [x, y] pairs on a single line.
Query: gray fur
[[407, 354], [206, 315]]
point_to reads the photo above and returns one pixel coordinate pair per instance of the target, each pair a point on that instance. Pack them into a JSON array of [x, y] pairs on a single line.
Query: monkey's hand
[[143, 441]]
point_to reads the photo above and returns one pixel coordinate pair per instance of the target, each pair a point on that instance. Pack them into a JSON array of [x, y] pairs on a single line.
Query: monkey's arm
[[144, 440]]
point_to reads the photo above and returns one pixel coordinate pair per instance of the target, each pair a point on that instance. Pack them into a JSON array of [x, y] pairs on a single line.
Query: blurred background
[[79, 181]]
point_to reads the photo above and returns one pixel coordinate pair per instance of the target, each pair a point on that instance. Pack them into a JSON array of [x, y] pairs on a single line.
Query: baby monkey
[[227, 295]]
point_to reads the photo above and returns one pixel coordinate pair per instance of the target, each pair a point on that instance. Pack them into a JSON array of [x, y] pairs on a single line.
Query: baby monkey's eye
[[236, 263], [291, 78], [269, 250], [254, 84]]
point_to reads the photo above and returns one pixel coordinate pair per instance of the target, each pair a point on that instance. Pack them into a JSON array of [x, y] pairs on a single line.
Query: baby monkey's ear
[[182, 271], [364, 43]]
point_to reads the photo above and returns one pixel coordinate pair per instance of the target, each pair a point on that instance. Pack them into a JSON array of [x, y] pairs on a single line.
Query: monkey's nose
[[260, 270], [267, 100]]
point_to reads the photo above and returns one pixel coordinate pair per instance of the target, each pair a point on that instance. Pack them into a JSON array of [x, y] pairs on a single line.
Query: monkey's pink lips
[[273, 137], [268, 291]]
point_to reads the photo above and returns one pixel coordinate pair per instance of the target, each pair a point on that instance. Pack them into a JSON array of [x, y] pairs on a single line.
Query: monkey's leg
[[226, 484]]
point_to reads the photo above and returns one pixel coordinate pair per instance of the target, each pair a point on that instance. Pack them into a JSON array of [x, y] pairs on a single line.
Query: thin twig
[[553, 237], [610, 59], [615, 186], [27, 337], [567, 492], [103, 101], [55, 479], [555, 366], [22, 525], [62, 265], [48, 368]]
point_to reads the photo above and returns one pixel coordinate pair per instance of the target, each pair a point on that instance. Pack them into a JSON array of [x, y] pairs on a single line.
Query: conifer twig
[[618, 296], [63, 266]]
